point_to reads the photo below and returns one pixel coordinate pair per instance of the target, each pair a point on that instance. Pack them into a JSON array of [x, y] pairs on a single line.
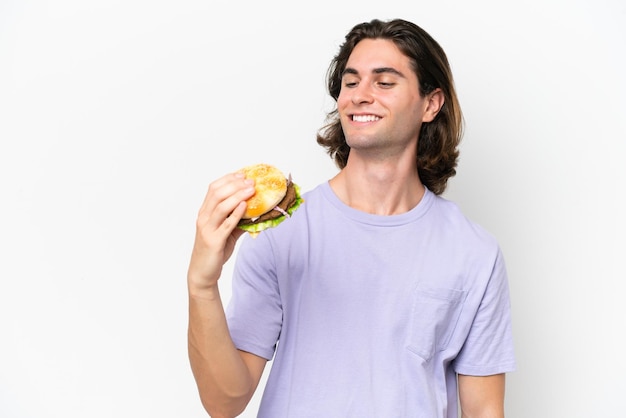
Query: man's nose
[[362, 94]]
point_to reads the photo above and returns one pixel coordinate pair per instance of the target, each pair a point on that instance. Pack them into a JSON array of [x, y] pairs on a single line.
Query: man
[[377, 298]]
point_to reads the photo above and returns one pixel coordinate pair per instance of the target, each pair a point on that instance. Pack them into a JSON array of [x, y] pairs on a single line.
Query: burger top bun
[[270, 186]]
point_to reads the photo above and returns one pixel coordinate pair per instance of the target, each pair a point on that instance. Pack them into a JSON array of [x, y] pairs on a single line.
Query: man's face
[[379, 104]]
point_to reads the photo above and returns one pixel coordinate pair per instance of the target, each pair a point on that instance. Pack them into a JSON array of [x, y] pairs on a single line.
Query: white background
[[115, 116]]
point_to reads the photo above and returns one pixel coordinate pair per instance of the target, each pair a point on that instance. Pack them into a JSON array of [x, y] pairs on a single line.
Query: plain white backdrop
[[115, 116]]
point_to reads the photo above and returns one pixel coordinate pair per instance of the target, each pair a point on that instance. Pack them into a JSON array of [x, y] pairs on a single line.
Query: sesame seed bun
[[270, 186], [276, 198]]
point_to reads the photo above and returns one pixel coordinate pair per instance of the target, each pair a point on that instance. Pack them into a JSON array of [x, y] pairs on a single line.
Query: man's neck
[[379, 188]]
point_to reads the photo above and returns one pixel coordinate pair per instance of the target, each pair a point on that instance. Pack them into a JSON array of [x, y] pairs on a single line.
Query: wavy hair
[[437, 151]]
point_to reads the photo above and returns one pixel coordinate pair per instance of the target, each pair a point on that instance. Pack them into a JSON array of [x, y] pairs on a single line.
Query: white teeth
[[365, 118]]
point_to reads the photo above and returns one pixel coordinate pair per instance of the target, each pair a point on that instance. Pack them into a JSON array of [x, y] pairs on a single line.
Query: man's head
[[437, 150]]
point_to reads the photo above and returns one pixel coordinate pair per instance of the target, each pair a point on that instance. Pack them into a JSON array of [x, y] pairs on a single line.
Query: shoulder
[[309, 212], [460, 228]]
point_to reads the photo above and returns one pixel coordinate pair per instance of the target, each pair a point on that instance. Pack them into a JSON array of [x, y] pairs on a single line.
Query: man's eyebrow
[[380, 70], [388, 70]]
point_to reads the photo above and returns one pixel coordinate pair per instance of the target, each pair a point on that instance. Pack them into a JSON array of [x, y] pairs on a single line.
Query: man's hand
[[216, 229]]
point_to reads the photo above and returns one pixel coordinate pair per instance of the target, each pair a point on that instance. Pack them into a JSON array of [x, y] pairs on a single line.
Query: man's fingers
[[223, 196]]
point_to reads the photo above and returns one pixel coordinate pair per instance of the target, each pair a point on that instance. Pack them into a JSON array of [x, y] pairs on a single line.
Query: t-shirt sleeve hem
[[255, 349], [485, 370]]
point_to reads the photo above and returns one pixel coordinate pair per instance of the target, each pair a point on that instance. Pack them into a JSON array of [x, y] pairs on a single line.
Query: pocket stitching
[[453, 300]]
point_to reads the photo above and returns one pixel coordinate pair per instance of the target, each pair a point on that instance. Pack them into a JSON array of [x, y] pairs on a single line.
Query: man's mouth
[[365, 118]]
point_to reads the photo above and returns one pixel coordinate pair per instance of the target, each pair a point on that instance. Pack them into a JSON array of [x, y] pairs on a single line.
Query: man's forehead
[[377, 56]]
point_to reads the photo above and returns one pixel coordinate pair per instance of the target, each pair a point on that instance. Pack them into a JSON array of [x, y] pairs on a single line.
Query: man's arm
[[481, 396], [226, 377]]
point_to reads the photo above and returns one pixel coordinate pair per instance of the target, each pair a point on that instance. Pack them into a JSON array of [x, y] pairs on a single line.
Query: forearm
[[482, 396], [223, 378], [491, 414]]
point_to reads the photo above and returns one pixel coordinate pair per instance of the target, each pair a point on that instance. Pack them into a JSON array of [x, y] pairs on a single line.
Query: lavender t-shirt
[[371, 316]]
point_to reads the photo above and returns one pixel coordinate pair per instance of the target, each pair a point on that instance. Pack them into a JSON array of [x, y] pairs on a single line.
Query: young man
[[377, 298]]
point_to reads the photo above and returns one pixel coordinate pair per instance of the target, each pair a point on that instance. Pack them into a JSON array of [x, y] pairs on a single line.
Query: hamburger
[[276, 197]]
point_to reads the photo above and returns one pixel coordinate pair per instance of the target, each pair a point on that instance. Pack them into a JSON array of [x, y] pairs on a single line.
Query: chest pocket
[[434, 317]]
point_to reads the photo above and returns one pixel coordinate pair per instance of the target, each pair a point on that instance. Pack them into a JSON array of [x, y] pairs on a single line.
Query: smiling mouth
[[365, 118]]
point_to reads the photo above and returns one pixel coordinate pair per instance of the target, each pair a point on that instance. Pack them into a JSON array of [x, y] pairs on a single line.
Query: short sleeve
[[254, 312], [488, 348]]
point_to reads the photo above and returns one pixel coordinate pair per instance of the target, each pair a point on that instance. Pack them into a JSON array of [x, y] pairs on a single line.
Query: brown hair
[[438, 142]]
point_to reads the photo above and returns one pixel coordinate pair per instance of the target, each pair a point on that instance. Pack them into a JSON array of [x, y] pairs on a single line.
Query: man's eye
[[350, 83], [386, 85]]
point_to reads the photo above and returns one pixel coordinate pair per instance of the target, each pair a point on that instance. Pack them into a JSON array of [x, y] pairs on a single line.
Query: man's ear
[[434, 103]]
